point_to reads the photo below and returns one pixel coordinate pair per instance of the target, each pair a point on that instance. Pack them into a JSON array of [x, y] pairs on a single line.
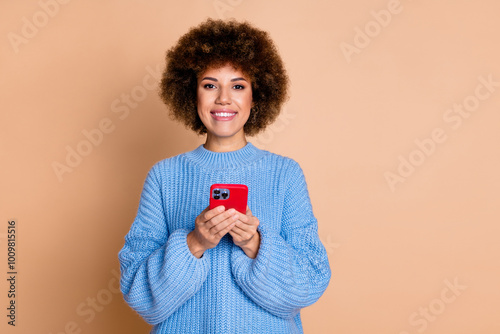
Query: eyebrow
[[215, 80]]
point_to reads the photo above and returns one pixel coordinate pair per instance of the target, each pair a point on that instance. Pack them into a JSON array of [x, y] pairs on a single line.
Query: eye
[[239, 87], [209, 86]]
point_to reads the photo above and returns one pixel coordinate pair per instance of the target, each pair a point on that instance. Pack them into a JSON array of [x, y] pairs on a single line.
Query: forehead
[[224, 71]]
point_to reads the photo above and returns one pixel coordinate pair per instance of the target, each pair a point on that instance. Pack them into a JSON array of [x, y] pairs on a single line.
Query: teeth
[[224, 114]]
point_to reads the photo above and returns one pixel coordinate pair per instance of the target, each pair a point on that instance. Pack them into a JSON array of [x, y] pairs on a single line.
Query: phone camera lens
[[216, 196], [217, 191], [224, 195]]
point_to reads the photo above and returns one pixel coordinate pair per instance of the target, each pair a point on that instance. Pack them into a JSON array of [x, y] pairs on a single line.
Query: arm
[[291, 270], [158, 271]]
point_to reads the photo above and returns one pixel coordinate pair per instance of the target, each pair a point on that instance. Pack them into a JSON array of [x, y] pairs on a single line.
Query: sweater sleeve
[[158, 271], [291, 270]]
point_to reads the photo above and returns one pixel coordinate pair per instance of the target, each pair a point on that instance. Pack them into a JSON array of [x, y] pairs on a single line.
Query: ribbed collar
[[218, 160]]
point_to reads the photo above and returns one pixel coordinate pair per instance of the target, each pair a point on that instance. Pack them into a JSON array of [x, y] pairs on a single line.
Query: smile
[[223, 115]]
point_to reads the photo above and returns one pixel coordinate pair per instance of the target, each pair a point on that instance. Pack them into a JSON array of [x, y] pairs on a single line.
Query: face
[[224, 98]]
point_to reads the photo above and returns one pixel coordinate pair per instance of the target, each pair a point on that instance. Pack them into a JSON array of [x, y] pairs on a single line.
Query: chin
[[225, 130], [226, 133]]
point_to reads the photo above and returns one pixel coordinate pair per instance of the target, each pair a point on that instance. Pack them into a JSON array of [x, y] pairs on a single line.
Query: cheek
[[250, 100], [200, 102], [247, 102]]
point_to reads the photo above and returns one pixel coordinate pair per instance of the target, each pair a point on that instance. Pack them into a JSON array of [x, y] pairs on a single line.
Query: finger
[[244, 218], [220, 218], [209, 214], [225, 230], [254, 221], [242, 228], [202, 214], [215, 226], [242, 235], [251, 222], [238, 231]]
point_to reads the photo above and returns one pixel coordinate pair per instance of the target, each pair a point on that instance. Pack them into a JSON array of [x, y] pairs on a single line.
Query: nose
[[224, 96]]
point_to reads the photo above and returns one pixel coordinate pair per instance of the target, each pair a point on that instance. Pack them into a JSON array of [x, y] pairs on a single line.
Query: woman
[[188, 269]]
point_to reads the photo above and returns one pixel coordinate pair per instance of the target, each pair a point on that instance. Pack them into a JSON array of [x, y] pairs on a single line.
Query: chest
[[186, 195]]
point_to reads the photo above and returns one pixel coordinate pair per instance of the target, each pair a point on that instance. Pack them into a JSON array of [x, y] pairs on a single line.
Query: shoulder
[[286, 169], [285, 163], [168, 162], [163, 168]]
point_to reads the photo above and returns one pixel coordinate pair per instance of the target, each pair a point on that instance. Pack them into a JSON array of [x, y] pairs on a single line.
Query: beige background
[[353, 116]]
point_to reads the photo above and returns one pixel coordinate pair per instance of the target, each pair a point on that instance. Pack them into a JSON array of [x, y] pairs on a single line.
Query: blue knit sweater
[[224, 291]]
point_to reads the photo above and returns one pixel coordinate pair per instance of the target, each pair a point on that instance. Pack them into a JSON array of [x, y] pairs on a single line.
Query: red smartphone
[[230, 195]]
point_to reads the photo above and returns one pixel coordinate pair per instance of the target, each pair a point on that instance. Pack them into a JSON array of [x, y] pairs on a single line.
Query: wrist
[[251, 248], [194, 246]]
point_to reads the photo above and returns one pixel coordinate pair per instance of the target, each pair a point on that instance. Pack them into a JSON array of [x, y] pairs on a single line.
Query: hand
[[245, 234], [210, 227]]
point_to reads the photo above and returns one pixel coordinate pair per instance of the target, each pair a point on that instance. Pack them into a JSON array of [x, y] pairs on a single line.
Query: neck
[[230, 160], [221, 144]]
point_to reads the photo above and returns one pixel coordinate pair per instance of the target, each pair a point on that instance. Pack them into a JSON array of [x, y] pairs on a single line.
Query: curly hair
[[215, 43]]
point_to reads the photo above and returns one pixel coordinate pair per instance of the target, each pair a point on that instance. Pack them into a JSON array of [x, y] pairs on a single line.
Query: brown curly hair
[[215, 43]]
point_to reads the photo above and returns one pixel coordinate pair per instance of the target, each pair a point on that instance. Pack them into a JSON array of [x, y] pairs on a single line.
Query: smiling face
[[224, 99]]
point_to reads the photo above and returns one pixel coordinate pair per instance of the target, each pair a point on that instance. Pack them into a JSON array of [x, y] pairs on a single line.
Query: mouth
[[223, 115]]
